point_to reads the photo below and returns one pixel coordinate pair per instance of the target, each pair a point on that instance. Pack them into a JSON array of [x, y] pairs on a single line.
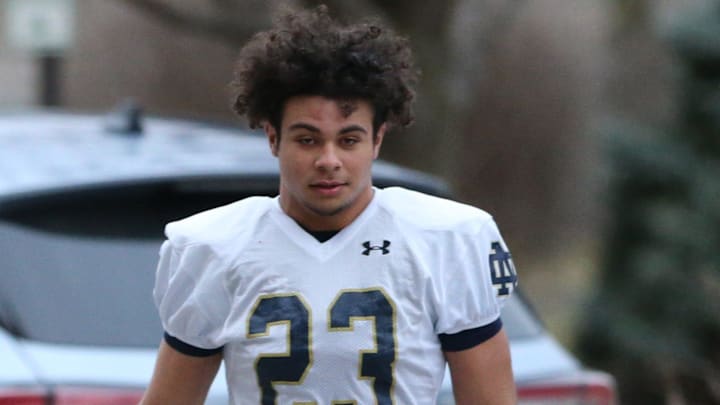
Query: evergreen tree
[[655, 319]]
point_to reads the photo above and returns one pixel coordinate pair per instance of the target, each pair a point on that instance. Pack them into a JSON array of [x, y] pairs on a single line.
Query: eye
[[305, 140], [349, 141]]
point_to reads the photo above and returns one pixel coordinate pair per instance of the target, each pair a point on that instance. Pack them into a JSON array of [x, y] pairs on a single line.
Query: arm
[[181, 379], [483, 373]]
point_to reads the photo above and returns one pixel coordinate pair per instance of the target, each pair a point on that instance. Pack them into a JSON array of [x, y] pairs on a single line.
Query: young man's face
[[325, 154]]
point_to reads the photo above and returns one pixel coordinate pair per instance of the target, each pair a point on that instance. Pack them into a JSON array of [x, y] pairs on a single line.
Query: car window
[[79, 267], [81, 290]]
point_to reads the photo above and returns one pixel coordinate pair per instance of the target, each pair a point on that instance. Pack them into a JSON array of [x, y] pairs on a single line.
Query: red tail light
[[70, 396], [96, 396], [588, 388], [23, 396]]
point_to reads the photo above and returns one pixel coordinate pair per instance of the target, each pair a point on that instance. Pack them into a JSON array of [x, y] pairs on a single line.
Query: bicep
[[181, 379], [483, 374]]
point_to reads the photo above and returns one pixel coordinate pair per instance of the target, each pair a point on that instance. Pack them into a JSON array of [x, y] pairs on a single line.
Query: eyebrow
[[353, 128], [302, 125], [308, 127]]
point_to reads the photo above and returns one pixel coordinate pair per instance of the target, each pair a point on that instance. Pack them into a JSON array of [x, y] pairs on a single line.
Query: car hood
[[70, 365], [534, 358], [540, 357], [15, 369]]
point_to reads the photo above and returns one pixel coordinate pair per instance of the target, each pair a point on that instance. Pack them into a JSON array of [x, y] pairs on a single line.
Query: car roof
[[51, 152]]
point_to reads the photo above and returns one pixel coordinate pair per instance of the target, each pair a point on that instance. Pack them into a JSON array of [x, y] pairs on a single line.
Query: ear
[[272, 137], [378, 140]]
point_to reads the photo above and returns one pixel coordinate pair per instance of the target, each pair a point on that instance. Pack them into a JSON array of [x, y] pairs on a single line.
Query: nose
[[328, 160]]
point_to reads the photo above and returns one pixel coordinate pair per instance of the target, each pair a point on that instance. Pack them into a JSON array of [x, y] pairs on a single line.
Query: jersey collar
[[322, 250]]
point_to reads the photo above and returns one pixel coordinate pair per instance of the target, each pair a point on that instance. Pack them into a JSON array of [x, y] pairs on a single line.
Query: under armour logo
[[502, 270], [369, 248]]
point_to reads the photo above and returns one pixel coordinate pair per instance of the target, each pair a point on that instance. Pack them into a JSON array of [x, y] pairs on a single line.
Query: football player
[[334, 292]]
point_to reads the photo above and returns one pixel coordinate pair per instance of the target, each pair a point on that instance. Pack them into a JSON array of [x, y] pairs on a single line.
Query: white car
[[83, 201]]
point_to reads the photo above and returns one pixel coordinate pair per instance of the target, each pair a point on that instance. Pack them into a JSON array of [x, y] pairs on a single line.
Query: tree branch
[[223, 24]]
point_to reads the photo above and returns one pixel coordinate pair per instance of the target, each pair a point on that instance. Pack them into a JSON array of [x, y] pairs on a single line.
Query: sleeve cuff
[[469, 338], [189, 349]]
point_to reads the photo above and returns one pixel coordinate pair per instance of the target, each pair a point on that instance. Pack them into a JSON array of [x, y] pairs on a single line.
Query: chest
[[343, 321]]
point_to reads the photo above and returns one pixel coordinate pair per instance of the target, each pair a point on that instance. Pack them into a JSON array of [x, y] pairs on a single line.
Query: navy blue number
[[283, 368], [378, 364]]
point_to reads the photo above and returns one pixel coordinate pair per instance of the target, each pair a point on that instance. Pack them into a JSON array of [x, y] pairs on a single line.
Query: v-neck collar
[[322, 236], [321, 250]]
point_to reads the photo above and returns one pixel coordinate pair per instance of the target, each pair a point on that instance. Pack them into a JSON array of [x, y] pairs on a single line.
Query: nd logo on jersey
[[502, 270]]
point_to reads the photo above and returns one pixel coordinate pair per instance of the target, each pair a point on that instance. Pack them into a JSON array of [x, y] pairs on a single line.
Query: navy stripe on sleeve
[[469, 338], [189, 349]]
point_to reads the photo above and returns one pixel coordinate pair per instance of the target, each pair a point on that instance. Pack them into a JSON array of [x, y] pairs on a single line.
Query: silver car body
[[56, 154]]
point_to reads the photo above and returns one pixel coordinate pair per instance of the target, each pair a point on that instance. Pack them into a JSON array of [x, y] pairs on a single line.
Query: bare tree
[[501, 146], [230, 21], [449, 66]]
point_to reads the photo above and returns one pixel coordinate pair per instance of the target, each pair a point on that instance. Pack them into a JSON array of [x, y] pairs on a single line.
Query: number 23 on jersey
[[376, 365]]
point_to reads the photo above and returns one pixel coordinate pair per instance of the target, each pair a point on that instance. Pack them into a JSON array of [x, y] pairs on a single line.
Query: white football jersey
[[353, 320]]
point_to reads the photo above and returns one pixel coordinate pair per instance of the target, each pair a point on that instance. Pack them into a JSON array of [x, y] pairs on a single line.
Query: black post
[[49, 80]]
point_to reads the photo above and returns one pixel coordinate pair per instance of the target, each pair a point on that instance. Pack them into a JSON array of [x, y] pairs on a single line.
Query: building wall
[[17, 73], [120, 53]]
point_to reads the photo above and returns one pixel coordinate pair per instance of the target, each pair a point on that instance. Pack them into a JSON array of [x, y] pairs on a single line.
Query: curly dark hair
[[309, 53]]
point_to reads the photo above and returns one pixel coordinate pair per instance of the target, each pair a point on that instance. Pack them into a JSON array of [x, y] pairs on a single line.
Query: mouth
[[327, 187]]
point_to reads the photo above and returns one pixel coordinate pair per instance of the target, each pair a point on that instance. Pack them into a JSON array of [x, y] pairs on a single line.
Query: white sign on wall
[[40, 25]]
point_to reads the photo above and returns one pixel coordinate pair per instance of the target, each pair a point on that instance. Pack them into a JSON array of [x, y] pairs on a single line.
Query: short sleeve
[[478, 276], [191, 296]]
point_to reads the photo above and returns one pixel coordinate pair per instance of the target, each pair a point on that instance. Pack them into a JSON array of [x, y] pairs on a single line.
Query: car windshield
[[80, 269]]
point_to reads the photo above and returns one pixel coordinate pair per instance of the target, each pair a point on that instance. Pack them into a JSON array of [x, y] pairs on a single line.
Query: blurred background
[[589, 129]]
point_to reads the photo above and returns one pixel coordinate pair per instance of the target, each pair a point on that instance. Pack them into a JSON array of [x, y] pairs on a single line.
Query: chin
[[328, 210]]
